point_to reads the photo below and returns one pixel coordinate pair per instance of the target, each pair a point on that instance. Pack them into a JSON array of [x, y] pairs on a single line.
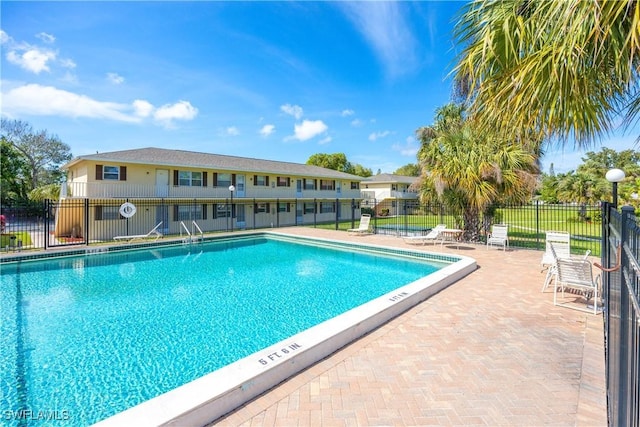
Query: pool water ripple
[[100, 334]]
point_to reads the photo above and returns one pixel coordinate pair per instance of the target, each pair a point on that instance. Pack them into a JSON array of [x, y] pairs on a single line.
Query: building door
[[162, 214], [240, 185], [298, 188], [162, 182], [240, 217], [299, 217]]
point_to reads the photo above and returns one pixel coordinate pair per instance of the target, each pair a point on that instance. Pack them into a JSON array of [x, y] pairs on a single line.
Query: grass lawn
[[24, 236], [527, 226]]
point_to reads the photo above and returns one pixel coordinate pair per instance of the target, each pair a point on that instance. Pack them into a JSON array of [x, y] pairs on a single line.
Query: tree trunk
[[471, 218]]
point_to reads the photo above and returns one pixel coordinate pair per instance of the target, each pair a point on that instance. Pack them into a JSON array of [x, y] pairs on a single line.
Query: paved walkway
[[489, 350]]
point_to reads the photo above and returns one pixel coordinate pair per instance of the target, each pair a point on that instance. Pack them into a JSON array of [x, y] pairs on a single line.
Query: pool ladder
[[191, 236]]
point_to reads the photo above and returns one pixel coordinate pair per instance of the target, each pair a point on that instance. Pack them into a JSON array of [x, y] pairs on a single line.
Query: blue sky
[[272, 80]]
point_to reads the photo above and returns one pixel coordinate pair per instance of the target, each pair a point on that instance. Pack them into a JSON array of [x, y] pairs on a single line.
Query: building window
[[188, 212], [283, 207], [224, 180], [309, 208], [309, 184], [355, 185], [111, 173], [190, 179], [327, 184], [107, 212], [327, 207], [261, 180], [262, 207], [283, 181], [222, 210]]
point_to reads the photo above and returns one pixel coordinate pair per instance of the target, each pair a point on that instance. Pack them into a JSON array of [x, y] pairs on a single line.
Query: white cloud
[[33, 59], [267, 130], [308, 129], [115, 78], [409, 149], [232, 131], [40, 100], [142, 108], [34, 99], [181, 110], [47, 38], [292, 110], [346, 113], [377, 135], [387, 30], [4, 37], [326, 140], [357, 123], [67, 63]]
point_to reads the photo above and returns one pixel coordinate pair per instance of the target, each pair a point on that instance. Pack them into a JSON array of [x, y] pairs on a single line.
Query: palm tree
[[582, 188], [556, 68], [468, 170]]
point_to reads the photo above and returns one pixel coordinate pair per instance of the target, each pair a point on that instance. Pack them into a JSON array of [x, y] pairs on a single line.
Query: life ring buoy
[[127, 210]]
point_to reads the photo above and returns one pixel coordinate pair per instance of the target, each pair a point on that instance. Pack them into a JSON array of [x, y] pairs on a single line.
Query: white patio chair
[[557, 245], [363, 227], [576, 274], [432, 236], [499, 236]]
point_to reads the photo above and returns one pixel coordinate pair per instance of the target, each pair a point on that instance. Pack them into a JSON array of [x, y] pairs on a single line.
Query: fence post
[[353, 213], [86, 221], [624, 393], [537, 224], [406, 219], [46, 223], [315, 212]]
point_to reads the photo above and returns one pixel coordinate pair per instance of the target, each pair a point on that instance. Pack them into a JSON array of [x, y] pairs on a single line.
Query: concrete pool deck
[[489, 350]]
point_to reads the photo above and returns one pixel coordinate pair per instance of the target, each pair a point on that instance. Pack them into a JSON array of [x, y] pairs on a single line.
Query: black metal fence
[[83, 221], [621, 293], [527, 223]]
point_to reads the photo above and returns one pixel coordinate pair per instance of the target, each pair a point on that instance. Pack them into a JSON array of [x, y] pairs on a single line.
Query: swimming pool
[[100, 334]]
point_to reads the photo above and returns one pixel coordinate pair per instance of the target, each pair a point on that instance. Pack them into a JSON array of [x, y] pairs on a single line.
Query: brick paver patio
[[489, 350]]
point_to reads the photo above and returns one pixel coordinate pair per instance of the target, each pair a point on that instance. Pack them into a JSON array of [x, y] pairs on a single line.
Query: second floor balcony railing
[[388, 194], [118, 190]]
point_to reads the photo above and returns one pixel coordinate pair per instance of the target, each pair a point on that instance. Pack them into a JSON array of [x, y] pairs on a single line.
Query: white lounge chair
[[153, 234], [499, 236], [576, 274], [364, 227], [432, 236]]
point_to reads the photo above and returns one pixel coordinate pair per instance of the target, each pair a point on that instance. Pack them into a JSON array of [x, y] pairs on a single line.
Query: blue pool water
[[86, 337]]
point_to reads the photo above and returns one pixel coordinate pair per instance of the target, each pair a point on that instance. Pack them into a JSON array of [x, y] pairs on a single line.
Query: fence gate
[[70, 229], [621, 291]]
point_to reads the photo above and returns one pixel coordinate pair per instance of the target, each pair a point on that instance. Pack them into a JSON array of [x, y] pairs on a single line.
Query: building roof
[[390, 178], [191, 159]]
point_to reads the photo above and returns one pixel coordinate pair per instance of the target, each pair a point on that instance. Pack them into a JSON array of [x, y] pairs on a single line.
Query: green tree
[[549, 188], [410, 169], [469, 170], [361, 170], [582, 188], [338, 162], [42, 153], [13, 174], [556, 68]]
